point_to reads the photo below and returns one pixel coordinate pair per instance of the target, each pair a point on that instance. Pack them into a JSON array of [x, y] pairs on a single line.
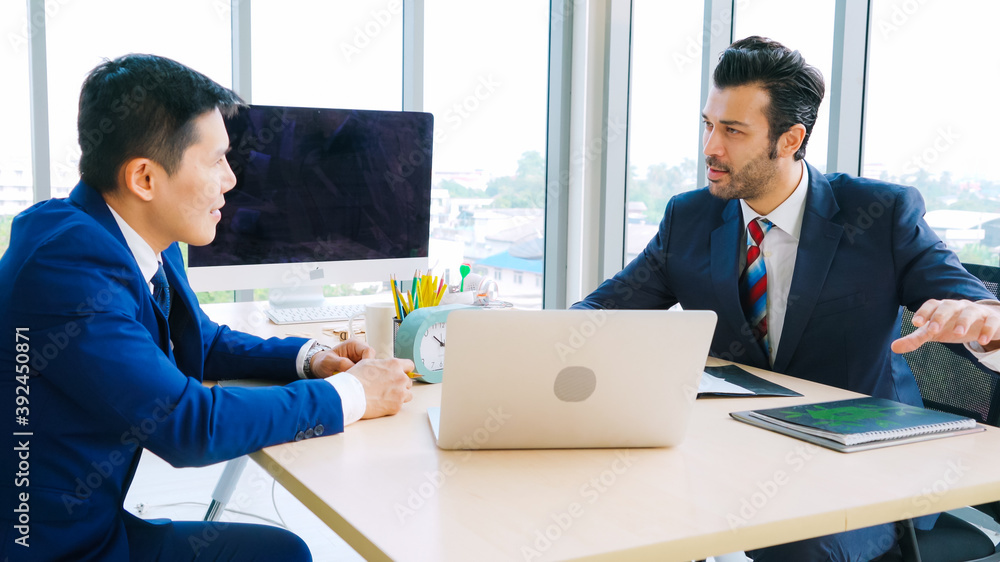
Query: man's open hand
[[952, 321]]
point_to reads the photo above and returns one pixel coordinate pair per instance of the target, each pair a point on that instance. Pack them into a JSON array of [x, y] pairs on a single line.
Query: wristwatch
[[307, 365]]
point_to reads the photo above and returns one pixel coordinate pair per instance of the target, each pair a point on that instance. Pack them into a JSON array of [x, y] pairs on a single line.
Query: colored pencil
[[395, 297]]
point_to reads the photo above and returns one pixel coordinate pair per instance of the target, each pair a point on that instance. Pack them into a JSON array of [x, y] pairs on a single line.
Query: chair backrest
[[951, 382]]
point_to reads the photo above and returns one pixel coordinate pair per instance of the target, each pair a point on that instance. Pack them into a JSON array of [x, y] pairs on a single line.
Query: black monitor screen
[[319, 185]]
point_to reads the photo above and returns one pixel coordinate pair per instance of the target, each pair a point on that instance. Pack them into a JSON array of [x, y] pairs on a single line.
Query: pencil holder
[[395, 331]]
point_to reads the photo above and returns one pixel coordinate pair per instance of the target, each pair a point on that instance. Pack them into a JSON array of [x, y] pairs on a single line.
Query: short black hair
[[142, 106], [795, 88]]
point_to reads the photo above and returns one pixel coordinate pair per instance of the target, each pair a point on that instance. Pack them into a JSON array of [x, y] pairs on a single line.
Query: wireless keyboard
[[313, 313]]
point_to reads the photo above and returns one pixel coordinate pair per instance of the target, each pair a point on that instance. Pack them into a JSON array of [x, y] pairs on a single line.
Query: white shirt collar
[[145, 257], [788, 215]]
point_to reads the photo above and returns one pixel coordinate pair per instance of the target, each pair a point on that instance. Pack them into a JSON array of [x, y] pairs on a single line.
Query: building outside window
[[918, 129], [489, 101]]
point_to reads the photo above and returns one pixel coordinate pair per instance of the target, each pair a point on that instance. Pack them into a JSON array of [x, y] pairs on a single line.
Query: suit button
[[319, 430], [300, 436], [309, 433]]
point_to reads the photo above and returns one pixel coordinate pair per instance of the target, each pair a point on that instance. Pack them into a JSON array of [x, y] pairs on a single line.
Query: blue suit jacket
[[864, 251], [104, 382]]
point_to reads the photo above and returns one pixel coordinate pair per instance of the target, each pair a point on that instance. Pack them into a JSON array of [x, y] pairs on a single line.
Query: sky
[[486, 70]]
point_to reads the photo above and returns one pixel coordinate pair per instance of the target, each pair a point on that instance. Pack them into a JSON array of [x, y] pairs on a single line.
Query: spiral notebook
[[859, 423]]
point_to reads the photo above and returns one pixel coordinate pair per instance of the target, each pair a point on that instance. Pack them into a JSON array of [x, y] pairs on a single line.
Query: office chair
[[951, 380]]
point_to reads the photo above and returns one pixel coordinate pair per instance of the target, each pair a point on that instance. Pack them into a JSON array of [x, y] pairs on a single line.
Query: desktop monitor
[[322, 196]]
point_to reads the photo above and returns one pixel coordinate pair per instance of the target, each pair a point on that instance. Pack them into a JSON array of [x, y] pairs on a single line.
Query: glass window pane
[[784, 21], [487, 87], [16, 186], [664, 112], [336, 54], [917, 126], [79, 35], [318, 53]]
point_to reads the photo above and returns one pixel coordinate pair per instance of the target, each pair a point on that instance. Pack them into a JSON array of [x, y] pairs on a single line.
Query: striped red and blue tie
[[753, 284]]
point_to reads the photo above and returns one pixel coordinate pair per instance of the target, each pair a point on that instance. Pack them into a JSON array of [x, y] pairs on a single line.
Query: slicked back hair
[[795, 88]]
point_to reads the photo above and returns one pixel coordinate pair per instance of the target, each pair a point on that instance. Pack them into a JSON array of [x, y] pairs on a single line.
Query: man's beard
[[749, 182]]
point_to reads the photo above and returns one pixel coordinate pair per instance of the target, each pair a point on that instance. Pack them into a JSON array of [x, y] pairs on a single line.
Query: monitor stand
[[296, 297]]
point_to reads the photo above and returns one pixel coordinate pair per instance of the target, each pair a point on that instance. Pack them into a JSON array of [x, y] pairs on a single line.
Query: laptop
[[554, 379]]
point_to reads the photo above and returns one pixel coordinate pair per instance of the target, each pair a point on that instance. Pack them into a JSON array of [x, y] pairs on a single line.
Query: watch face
[[432, 347]]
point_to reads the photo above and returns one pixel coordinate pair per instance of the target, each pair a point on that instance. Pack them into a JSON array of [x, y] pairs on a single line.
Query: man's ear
[[791, 140], [139, 177]]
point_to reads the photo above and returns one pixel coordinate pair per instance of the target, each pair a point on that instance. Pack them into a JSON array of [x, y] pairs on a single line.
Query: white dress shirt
[[352, 394]]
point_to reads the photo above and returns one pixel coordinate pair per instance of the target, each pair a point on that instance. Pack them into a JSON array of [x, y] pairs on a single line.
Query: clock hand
[[439, 341]]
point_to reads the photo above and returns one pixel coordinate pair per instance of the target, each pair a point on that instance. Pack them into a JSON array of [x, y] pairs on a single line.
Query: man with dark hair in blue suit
[[807, 272], [111, 346]]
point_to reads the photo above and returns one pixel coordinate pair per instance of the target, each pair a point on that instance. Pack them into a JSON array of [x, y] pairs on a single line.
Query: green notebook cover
[[863, 420]]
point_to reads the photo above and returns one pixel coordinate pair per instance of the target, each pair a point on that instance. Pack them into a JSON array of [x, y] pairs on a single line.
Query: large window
[[16, 190], [317, 53], [485, 79], [486, 85], [664, 115], [786, 21], [79, 35], [486, 90], [933, 71]]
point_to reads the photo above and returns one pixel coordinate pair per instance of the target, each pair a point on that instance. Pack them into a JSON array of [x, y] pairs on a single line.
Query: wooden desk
[[391, 493]]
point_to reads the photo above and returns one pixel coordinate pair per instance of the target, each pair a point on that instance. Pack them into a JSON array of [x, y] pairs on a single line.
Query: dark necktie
[[161, 290], [753, 285]]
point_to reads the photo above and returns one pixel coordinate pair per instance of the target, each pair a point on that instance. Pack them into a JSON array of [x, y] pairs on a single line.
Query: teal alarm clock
[[421, 338]]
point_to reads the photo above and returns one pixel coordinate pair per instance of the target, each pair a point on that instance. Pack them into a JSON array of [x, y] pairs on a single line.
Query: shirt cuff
[[989, 359], [352, 396], [300, 359]]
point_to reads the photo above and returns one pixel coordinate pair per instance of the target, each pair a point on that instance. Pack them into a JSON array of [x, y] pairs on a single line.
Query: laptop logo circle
[[575, 384]]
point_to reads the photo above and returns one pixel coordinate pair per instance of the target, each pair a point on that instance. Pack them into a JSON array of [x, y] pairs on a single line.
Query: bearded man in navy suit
[[842, 255]]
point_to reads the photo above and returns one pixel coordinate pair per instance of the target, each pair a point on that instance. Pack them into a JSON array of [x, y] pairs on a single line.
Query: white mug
[[378, 327]]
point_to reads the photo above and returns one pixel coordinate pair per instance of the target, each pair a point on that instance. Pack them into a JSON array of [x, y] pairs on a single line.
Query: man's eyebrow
[[734, 122], [728, 122]]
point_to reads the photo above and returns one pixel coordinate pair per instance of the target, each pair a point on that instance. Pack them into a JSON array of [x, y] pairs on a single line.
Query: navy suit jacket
[[864, 252], [106, 383]]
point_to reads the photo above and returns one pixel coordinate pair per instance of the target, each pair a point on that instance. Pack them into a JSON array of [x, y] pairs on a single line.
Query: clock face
[[432, 347]]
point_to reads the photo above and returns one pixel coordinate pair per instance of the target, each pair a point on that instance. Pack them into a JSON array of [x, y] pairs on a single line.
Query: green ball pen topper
[[464, 270]]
